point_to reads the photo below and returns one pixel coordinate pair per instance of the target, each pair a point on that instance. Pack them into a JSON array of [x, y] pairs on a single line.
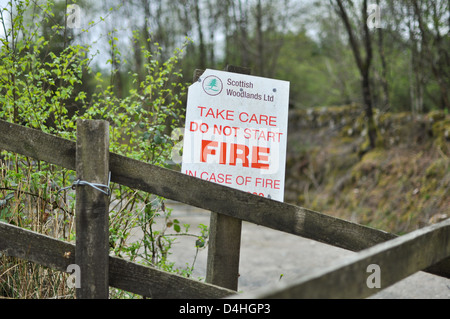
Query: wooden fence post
[[92, 209], [225, 236]]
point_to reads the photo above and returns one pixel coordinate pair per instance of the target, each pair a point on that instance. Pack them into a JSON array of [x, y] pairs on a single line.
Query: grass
[[401, 185]]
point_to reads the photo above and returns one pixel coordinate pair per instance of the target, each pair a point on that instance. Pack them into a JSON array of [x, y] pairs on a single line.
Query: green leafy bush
[[47, 85]]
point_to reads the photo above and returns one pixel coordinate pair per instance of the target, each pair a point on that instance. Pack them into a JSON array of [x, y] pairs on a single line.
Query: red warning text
[[232, 153]]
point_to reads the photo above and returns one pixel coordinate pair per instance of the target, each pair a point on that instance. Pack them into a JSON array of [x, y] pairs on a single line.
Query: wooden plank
[[197, 192], [37, 144], [132, 277], [203, 194], [224, 245], [197, 74], [353, 278], [224, 248], [92, 209], [239, 204], [441, 268], [38, 248], [158, 284]]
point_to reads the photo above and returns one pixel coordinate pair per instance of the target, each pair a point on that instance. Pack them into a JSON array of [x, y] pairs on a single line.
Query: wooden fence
[[398, 257]]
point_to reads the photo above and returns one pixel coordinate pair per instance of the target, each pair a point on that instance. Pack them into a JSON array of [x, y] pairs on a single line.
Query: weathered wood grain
[[37, 145], [224, 249], [158, 284], [197, 192], [92, 209], [203, 194], [239, 204], [132, 277], [41, 249], [397, 259]]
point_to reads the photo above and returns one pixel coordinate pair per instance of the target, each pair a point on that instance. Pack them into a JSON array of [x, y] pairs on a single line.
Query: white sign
[[236, 132]]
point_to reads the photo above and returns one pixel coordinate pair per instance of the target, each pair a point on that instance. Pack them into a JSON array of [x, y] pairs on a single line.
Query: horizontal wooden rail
[[396, 259], [132, 277], [197, 192], [203, 194]]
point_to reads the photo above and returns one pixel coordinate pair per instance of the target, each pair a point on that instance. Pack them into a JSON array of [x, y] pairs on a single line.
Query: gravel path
[[268, 256]]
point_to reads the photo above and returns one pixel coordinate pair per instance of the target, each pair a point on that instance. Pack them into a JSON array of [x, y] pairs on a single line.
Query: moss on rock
[[399, 186]]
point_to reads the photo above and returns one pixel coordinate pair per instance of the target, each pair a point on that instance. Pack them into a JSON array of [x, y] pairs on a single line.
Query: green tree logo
[[212, 85]]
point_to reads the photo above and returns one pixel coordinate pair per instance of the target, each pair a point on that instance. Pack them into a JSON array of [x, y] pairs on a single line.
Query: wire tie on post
[[96, 186]]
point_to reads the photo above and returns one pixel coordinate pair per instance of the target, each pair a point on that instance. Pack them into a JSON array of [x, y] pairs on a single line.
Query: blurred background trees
[[309, 44], [306, 42], [129, 62]]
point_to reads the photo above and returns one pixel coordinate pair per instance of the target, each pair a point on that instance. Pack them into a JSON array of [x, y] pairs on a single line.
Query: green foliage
[[47, 85], [317, 76], [399, 186]]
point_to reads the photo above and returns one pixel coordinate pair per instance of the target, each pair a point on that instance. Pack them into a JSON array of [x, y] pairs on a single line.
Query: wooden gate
[[397, 257]]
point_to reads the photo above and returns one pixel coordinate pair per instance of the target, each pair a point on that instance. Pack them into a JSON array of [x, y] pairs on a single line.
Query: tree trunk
[[384, 81], [260, 40], [363, 66], [431, 45], [202, 49], [368, 110]]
